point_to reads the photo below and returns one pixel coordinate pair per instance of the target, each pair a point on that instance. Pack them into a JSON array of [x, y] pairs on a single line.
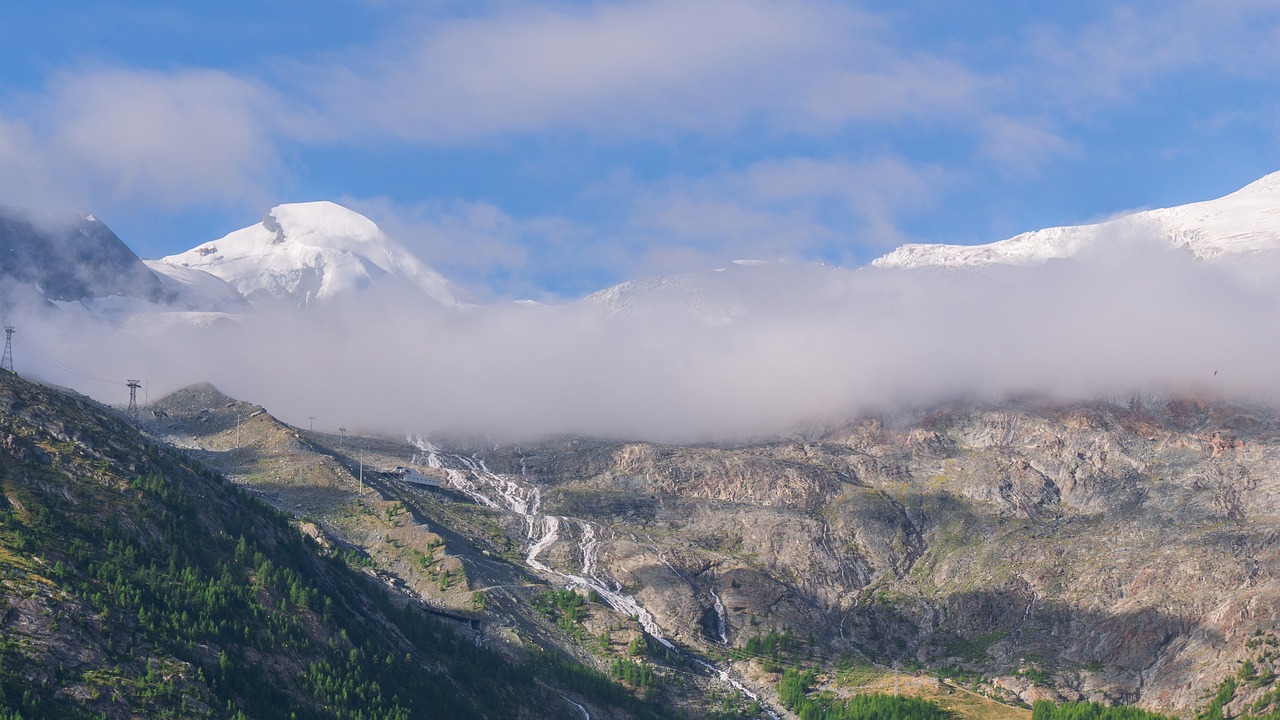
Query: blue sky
[[550, 149]]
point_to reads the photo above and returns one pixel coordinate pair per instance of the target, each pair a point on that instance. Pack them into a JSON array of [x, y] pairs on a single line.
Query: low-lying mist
[[745, 352]]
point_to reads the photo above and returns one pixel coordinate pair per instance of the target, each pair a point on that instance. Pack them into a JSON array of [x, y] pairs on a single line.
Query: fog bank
[[751, 350]]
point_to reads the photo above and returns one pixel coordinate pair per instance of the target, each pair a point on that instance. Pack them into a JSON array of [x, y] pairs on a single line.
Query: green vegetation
[[852, 674], [1037, 676], [638, 646], [593, 684], [633, 673], [565, 608], [773, 649], [794, 687], [1045, 710], [226, 607], [1256, 672], [177, 594], [1266, 706], [733, 706], [973, 649], [772, 644]]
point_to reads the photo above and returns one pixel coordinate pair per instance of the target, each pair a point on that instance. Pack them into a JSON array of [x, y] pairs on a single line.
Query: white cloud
[[1021, 146], [1132, 51], [638, 69], [801, 343], [168, 140], [25, 174], [806, 76], [794, 207], [178, 138], [920, 87], [487, 251]]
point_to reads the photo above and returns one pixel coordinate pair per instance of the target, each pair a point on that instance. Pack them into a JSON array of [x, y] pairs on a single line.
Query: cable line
[[22, 343]]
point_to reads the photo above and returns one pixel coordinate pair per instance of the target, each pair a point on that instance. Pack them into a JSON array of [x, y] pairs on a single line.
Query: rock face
[[71, 258], [1117, 554], [78, 263]]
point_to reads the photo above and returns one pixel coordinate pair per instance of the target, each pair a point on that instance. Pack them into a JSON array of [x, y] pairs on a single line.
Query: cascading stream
[[543, 531], [585, 715], [721, 630]]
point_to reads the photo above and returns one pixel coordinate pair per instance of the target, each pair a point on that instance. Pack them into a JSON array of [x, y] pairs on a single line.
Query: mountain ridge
[[304, 254], [1243, 222], [71, 258]]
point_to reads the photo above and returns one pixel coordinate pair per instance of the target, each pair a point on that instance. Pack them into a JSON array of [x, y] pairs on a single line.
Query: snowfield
[[1244, 223], [302, 254]]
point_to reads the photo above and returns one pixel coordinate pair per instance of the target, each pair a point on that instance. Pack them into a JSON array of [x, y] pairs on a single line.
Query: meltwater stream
[[472, 477]]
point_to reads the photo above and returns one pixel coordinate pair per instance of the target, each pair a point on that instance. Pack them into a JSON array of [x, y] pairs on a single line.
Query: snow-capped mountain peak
[[304, 253], [320, 224], [1246, 222]]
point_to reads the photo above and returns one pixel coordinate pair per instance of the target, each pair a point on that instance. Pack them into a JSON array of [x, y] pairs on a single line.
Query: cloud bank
[[110, 135], [749, 351]]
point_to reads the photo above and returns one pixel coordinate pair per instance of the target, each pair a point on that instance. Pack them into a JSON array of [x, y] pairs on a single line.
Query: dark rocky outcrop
[[70, 258]]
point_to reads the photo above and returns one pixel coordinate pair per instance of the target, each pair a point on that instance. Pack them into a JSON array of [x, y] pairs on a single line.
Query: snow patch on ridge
[[1244, 223], [198, 290]]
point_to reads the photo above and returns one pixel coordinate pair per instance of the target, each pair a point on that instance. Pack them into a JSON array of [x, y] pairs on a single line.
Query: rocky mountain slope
[[1030, 549], [78, 264], [434, 543], [1122, 554], [70, 259], [136, 583], [1081, 552]]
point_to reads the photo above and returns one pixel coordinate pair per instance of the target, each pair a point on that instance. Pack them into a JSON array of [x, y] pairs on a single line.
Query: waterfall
[[493, 490]]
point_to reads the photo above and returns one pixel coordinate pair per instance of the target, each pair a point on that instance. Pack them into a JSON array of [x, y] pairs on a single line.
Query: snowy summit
[[305, 253], [1244, 224]]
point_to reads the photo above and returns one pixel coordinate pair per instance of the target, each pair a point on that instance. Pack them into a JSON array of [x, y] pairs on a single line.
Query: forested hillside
[[135, 583]]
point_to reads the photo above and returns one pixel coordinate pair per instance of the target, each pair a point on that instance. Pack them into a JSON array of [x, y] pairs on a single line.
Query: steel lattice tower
[[133, 398], [6, 362]]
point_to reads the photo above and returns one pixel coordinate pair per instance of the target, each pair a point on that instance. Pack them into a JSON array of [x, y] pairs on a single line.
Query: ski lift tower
[[6, 362], [133, 398]]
